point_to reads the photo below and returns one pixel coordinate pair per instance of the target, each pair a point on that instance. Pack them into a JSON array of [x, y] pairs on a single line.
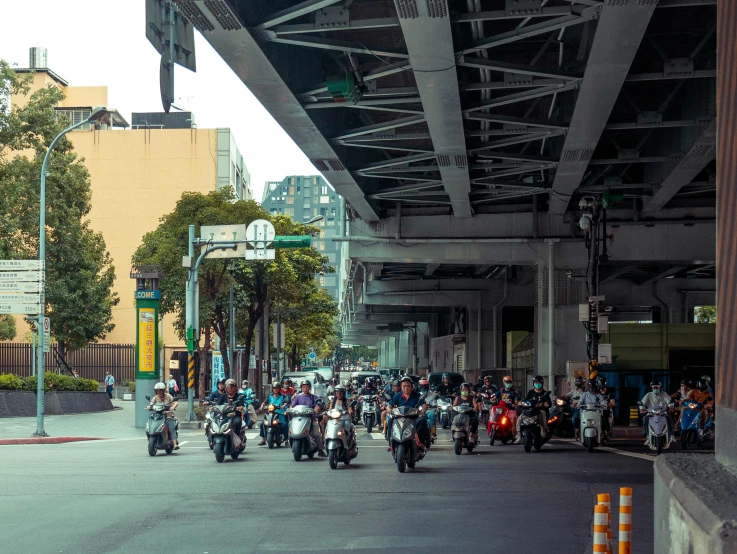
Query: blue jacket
[[414, 400], [278, 401]]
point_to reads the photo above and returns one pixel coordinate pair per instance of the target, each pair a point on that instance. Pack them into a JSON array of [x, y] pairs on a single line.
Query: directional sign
[[224, 233], [260, 234], [19, 265], [313, 355], [47, 334], [20, 309], [15, 276], [20, 298], [20, 287]]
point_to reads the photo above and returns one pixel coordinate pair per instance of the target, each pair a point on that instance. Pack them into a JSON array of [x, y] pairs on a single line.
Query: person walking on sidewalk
[[109, 384]]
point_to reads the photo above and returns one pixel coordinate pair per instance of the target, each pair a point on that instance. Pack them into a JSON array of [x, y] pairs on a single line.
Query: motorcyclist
[[510, 396], [575, 396], [657, 397], [250, 395], [423, 386], [340, 400], [287, 388], [233, 397], [447, 388], [412, 399], [163, 397], [707, 380], [387, 396], [280, 401], [701, 395], [609, 402], [306, 398], [467, 397], [214, 395], [368, 387], [680, 396], [540, 399], [487, 387]]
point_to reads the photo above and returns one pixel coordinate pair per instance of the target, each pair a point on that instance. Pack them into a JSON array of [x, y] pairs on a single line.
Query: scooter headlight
[[340, 433], [590, 422], [444, 408], [406, 433]]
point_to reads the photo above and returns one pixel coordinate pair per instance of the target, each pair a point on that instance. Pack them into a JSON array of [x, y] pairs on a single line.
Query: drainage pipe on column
[[494, 315], [478, 334], [551, 315]]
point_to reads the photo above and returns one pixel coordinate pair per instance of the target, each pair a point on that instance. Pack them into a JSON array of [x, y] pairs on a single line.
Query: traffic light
[[295, 241]]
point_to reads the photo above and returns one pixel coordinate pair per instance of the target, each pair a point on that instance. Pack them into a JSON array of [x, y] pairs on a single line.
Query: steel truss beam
[[378, 127], [504, 67], [328, 44], [521, 96], [294, 12], [386, 146], [521, 121]]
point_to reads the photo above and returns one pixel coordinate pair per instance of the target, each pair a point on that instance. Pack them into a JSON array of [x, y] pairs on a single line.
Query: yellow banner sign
[[146, 340]]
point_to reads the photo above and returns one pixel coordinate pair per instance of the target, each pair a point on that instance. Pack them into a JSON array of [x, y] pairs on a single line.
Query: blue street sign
[[148, 295], [313, 355]]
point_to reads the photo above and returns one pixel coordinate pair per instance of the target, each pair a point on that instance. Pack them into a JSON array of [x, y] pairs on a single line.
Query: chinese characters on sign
[[146, 340]]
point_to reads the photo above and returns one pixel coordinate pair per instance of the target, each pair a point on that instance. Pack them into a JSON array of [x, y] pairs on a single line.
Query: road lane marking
[[183, 443], [649, 457]]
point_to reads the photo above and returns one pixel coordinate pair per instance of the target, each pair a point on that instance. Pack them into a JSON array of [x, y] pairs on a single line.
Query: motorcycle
[[486, 407], [300, 438], [560, 420], [156, 430], [208, 424], [272, 427], [658, 437], [406, 446], [500, 425], [369, 410], [444, 406], [530, 427], [224, 439], [340, 438], [689, 424], [591, 435], [461, 429]]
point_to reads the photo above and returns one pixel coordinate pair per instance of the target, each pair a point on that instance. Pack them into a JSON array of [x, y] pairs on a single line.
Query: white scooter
[[658, 437], [300, 437], [340, 438], [591, 435]]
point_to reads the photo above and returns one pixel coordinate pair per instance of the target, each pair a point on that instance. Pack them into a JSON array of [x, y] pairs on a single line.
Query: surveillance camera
[[585, 222], [583, 204]]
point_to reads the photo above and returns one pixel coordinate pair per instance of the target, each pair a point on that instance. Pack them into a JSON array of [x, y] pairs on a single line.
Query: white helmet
[[159, 386]]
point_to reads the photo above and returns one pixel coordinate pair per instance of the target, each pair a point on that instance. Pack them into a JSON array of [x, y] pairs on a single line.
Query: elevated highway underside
[[463, 135]]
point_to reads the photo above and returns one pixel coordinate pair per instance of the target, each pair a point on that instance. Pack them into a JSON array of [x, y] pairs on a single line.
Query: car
[[325, 371], [319, 386], [362, 375], [384, 375], [436, 379]]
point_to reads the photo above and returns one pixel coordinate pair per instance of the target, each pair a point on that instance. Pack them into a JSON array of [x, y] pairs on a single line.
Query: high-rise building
[[138, 173], [303, 197]]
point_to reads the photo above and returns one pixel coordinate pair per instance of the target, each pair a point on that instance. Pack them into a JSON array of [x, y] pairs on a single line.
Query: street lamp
[[314, 219], [97, 113]]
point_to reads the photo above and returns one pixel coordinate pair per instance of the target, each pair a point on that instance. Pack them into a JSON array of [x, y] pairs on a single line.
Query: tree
[[79, 270], [705, 314], [7, 327]]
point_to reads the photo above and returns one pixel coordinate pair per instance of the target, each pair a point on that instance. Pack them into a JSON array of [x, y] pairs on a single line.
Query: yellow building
[[137, 175]]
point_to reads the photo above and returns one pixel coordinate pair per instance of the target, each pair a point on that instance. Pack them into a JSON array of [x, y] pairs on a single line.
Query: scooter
[[272, 427], [689, 424], [369, 411], [444, 407], [500, 425], [300, 438], [530, 426], [156, 430], [486, 407], [560, 420], [461, 429], [406, 446], [208, 424], [658, 437], [224, 439], [340, 438], [591, 435]]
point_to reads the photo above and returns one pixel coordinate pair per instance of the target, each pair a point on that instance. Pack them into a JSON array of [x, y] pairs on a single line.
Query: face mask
[[538, 386], [507, 385], [464, 394], [656, 391]]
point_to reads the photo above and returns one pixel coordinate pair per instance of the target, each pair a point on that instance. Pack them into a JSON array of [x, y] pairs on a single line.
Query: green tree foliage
[[353, 355], [705, 314], [79, 270], [255, 284], [309, 323], [7, 327]]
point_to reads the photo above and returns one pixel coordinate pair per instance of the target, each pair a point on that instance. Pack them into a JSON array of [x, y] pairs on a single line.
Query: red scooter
[[502, 422]]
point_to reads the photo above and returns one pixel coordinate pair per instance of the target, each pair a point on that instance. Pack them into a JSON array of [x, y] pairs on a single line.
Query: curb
[[47, 440]]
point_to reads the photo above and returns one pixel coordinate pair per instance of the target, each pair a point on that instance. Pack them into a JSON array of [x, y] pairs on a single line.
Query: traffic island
[[23, 403], [47, 440], [695, 505]]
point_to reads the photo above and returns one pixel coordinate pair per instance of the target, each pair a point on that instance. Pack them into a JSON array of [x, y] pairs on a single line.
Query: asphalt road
[[110, 496]]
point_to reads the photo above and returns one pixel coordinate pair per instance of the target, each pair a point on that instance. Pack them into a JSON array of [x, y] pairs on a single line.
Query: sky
[[103, 43]]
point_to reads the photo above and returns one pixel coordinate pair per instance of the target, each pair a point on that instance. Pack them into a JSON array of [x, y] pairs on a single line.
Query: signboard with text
[[218, 369], [147, 345]]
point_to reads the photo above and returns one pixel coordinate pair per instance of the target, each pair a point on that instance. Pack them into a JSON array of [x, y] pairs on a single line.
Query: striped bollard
[[625, 520], [606, 500], [601, 514]]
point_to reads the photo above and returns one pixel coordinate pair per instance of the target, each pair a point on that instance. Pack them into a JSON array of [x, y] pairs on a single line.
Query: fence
[[91, 362]]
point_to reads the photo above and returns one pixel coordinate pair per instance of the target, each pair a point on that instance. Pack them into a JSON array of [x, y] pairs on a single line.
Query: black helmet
[[655, 383], [579, 381], [538, 379], [701, 385], [221, 381], [395, 383], [368, 382], [601, 382], [446, 376]]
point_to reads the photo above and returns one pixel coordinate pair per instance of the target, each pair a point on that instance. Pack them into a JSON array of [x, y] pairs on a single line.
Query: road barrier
[[625, 520], [634, 416], [606, 500], [601, 515]]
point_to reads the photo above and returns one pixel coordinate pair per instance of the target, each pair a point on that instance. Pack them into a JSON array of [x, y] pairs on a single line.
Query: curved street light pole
[[96, 115]]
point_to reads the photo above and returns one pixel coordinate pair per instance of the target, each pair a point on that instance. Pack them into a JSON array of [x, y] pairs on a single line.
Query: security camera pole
[[589, 224]]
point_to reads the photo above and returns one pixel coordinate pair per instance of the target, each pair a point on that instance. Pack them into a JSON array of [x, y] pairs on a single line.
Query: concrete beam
[[696, 159], [244, 56], [429, 41], [430, 269], [619, 32]]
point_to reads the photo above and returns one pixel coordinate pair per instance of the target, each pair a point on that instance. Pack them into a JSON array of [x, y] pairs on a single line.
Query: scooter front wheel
[[659, 447], [297, 450], [333, 459], [401, 461], [458, 446], [152, 446], [219, 450], [270, 440], [528, 440], [492, 437]]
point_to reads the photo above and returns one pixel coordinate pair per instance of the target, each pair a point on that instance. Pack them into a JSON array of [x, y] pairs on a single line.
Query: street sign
[[20, 287], [19, 309], [19, 265], [47, 334], [218, 369], [20, 298], [282, 336], [224, 233], [260, 234], [313, 355], [16, 276], [157, 32]]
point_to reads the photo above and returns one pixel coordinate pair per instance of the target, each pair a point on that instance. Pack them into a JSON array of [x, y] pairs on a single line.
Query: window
[[290, 199], [322, 234], [291, 180], [322, 281], [331, 220], [324, 199], [74, 117], [314, 180], [316, 191], [332, 199], [321, 246], [332, 211], [324, 189], [298, 189], [289, 212], [291, 191]]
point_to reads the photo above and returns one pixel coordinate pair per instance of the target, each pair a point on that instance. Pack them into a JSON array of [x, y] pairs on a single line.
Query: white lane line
[[183, 443], [613, 450], [377, 435], [252, 436]]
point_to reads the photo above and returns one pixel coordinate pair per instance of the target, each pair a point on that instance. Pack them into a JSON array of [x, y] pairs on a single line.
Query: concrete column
[[541, 323]]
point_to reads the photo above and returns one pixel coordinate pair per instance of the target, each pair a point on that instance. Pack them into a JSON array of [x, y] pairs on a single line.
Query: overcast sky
[[103, 42]]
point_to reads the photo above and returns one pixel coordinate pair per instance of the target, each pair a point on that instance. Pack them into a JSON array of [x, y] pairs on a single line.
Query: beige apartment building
[[138, 172]]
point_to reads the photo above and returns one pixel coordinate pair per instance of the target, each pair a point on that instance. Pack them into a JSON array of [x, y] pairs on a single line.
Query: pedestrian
[[75, 375], [172, 387], [109, 384]]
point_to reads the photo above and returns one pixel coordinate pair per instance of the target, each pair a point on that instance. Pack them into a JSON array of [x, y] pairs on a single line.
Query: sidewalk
[[115, 424]]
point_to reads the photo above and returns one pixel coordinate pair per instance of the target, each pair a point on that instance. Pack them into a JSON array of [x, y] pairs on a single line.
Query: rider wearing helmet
[[487, 387], [306, 398], [701, 395], [214, 395], [236, 399], [387, 396], [287, 387], [540, 399], [657, 397], [447, 388], [163, 397], [247, 391], [413, 399], [368, 387], [510, 396], [707, 380], [280, 402], [467, 396], [423, 386], [579, 385], [607, 394]]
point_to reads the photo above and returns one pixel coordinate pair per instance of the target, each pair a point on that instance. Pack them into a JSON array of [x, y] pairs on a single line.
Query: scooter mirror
[[148, 397]]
